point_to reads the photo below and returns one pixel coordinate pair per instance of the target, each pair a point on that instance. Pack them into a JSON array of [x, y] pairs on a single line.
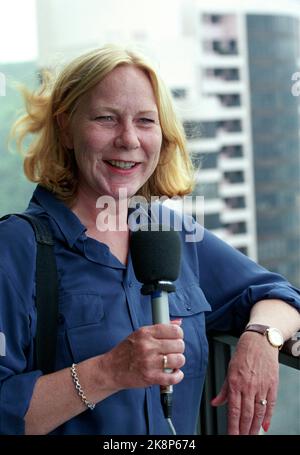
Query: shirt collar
[[67, 221]]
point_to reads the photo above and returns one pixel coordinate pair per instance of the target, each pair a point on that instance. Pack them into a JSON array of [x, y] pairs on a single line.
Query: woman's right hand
[[138, 360], [135, 362]]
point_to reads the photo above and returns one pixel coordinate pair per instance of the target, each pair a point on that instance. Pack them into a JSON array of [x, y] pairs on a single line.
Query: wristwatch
[[273, 335]]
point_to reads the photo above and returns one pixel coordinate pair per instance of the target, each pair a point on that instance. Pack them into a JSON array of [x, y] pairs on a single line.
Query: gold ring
[[165, 362], [263, 402]]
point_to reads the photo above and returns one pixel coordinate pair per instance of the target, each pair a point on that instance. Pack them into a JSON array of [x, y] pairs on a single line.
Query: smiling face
[[115, 134]]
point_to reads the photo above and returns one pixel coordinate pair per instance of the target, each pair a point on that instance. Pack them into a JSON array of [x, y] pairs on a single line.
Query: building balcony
[[220, 31], [203, 145], [232, 164], [213, 205], [235, 215], [222, 61], [223, 113], [229, 138], [208, 175], [227, 189], [237, 240], [216, 85]]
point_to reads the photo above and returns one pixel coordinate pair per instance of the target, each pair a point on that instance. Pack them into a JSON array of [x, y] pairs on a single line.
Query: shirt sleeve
[[17, 323], [233, 283], [16, 382]]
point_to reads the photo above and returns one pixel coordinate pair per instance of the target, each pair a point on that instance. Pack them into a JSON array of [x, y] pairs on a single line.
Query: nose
[[127, 138]]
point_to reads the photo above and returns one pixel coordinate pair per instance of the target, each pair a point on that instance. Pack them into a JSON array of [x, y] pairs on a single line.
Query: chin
[[124, 192]]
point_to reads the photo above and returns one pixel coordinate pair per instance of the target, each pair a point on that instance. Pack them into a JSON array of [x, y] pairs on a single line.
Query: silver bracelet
[[75, 378]]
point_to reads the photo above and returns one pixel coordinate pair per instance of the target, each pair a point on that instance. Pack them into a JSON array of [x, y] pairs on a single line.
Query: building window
[[234, 177], [179, 93], [237, 202], [232, 151], [243, 249], [216, 18], [196, 130], [227, 74], [230, 126], [228, 47], [236, 228], [230, 100], [212, 221], [207, 190], [211, 18], [205, 160]]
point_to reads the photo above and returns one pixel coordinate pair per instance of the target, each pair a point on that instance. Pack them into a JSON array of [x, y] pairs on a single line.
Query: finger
[[176, 321], [171, 347], [169, 331], [271, 401], [165, 379], [234, 412], [221, 398], [174, 361], [247, 413], [259, 414]]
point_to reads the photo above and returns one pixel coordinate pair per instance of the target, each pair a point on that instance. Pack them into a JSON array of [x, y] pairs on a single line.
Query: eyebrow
[[116, 111]]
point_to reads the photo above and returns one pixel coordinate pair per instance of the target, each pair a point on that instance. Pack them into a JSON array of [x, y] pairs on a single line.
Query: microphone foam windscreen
[[155, 254]]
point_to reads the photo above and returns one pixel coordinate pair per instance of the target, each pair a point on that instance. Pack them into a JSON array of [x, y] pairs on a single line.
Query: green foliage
[[15, 190]]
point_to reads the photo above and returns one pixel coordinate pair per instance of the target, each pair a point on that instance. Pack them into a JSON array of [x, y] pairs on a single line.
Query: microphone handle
[[160, 315], [160, 307]]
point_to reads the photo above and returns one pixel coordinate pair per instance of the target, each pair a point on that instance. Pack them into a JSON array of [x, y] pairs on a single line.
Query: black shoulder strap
[[46, 293]]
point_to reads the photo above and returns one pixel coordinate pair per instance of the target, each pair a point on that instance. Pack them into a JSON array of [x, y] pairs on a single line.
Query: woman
[[107, 124]]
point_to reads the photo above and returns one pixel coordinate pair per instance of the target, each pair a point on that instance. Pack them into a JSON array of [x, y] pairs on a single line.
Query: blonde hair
[[47, 160]]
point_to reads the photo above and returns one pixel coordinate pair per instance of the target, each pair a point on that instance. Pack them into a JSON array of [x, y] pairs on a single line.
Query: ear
[[63, 122]]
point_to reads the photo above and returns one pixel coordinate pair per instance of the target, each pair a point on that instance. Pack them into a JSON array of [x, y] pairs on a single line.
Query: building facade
[[245, 137], [273, 50]]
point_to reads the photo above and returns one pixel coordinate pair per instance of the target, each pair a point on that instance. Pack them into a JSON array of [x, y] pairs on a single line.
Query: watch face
[[275, 337]]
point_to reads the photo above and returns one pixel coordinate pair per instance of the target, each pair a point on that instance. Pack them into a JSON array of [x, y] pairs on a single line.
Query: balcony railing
[[213, 420]]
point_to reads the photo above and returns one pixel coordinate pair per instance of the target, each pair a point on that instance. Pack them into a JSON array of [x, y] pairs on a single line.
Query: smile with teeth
[[122, 164]]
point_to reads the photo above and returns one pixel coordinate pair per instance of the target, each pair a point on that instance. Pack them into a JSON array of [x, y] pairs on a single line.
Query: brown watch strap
[[259, 328]]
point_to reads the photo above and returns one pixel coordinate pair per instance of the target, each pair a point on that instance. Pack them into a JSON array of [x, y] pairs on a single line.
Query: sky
[[18, 29], [18, 41]]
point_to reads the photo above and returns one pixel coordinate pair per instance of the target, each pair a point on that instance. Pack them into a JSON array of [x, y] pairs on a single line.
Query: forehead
[[126, 83]]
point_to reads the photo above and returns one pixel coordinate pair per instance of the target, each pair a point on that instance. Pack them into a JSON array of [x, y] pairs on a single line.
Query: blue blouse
[[100, 304]]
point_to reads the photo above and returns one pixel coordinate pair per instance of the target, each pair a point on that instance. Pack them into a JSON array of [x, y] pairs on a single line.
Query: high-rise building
[[273, 55], [245, 136], [220, 138]]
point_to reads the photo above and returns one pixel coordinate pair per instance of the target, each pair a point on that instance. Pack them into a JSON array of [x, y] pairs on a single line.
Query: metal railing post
[[213, 420]]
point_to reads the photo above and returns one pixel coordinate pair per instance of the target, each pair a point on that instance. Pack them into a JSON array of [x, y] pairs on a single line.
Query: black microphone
[[156, 257]]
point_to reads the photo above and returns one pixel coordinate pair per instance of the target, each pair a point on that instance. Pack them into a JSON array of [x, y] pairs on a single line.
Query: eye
[[105, 118], [146, 120]]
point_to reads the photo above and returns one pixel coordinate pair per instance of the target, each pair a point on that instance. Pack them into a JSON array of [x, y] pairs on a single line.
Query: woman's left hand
[[252, 379]]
